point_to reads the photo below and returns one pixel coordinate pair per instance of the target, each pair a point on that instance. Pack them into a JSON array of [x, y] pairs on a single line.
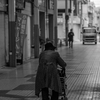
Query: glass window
[[89, 31]]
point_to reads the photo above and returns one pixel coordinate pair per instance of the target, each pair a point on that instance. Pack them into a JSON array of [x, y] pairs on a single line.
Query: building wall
[[95, 21], [76, 20], [6, 41], [76, 28], [91, 11], [47, 30], [85, 15], [61, 26], [61, 4], [4, 36], [27, 42]]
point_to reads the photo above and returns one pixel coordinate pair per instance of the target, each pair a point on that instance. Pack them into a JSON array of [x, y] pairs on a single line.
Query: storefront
[[18, 37], [22, 31]]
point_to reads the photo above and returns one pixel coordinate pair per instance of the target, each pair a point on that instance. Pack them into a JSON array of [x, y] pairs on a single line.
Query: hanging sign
[[3, 6], [51, 4], [21, 22], [20, 4]]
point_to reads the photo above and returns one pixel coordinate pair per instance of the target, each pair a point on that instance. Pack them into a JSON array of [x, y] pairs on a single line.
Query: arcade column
[[12, 42], [66, 21], [55, 23], [50, 27], [42, 24], [36, 29]]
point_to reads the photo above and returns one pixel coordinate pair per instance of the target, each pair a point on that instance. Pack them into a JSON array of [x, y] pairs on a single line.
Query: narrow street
[[82, 71]]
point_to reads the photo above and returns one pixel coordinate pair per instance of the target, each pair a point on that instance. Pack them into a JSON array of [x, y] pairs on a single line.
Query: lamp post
[[81, 18]]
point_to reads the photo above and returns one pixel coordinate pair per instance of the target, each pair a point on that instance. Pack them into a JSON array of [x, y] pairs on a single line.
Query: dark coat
[[47, 73], [70, 36]]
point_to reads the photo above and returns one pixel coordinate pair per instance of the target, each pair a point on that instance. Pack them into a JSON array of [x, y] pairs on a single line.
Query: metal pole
[[81, 19], [66, 21], [12, 42], [72, 15], [36, 29], [70, 4], [55, 23], [47, 19]]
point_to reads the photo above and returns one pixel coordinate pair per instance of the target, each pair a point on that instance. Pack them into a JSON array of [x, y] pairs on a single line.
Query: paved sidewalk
[[83, 73]]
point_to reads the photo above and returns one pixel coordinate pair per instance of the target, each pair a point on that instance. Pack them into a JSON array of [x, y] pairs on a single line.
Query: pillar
[[36, 29], [55, 23], [42, 24], [12, 42], [66, 21], [72, 15], [32, 29], [51, 27], [81, 22]]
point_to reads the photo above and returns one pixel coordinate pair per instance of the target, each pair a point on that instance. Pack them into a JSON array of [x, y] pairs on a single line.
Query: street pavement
[[82, 72]]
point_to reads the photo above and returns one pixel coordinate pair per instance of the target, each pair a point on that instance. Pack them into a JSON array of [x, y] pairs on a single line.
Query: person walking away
[[47, 76], [70, 36]]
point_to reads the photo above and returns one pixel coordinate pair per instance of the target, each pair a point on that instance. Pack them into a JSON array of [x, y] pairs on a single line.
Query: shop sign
[[20, 4], [3, 6], [21, 22], [79, 9], [51, 4]]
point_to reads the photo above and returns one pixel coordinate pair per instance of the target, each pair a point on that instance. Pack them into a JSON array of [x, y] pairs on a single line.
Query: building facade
[[90, 15], [84, 15], [22, 23], [74, 20]]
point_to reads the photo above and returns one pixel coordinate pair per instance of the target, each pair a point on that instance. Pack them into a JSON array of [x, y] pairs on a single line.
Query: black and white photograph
[[49, 49]]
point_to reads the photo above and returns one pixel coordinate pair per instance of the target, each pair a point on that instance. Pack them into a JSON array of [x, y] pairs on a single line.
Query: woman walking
[[47, 76]]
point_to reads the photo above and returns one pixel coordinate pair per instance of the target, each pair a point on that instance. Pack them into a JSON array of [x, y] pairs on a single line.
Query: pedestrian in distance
[[47, 76], [70, 36]]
